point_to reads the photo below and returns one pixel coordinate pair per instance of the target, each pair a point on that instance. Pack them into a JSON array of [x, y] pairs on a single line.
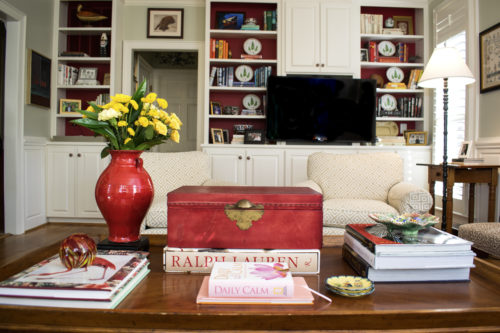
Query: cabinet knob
[[240, 157], [317, 65], [70, 154], [322, 65], [248, 158], [79, 155]]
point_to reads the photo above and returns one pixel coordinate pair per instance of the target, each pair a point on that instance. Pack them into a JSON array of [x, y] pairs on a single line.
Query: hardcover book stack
[[103, 285], [435, 256]]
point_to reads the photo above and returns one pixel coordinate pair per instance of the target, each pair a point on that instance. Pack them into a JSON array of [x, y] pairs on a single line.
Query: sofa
[[355, 185], [168, 172]]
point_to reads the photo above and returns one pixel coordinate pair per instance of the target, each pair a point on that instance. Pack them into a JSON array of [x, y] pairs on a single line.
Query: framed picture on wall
[[165, 22], [489, 51], [38, 79]]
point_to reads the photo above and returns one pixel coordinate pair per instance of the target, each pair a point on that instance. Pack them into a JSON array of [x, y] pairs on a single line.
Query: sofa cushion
[[340, 212], [355, 176], [484, 235]]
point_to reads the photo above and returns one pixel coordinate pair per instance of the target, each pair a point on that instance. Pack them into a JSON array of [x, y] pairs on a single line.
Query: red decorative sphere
[[77, 250]]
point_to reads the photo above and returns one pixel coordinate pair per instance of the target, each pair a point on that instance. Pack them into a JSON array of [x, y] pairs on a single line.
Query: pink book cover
[[247, 279]]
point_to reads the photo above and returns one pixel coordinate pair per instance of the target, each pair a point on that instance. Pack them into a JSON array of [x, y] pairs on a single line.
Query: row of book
[[269, 20], [102, 285], [408, 107], [219, 49], [415, 76], [67, 75], [224, 77], [371, 23], [435, 256], [400, 55], [102, 99]]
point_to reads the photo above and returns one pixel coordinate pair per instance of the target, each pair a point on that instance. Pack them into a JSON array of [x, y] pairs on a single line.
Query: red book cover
[[372, 51]]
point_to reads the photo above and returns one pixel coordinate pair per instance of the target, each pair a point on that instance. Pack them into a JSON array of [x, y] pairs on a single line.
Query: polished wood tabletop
[[166, 302]]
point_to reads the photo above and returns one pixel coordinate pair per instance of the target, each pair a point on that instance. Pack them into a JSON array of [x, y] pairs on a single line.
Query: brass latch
[[244, 213]]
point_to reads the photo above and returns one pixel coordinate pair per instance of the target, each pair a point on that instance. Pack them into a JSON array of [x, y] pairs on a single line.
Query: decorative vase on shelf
[[124, 193]]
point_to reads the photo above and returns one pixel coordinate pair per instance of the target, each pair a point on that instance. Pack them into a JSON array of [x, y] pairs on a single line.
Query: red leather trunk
[[265, 218]]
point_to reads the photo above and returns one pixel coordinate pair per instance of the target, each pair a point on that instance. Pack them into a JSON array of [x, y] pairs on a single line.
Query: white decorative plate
[[252, 46], [388, 102], [395, 74], [251, 101], [244, 73], [386, 48]]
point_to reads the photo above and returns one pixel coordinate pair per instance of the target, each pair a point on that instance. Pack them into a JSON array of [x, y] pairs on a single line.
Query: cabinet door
[[227, 164], [88, 169], [339, 36], [61, 181], [302, 39], [264, 167], [296, 165]]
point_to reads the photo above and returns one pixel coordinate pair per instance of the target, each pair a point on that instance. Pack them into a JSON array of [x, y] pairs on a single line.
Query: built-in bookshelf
[[241, 54]]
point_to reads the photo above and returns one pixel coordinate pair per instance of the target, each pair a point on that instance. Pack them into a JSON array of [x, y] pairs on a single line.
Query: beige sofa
[[168, 172], [355, 185]]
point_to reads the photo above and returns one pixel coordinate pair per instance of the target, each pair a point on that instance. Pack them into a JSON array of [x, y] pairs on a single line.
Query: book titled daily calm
[[244, 279]]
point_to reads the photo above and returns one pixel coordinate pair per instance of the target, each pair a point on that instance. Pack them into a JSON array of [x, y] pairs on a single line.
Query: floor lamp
[[445, 65]]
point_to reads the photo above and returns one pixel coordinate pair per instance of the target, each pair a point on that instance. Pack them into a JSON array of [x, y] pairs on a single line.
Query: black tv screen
[[321, 109]]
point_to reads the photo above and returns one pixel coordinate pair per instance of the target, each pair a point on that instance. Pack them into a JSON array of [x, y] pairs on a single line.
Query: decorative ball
[[77, 251]]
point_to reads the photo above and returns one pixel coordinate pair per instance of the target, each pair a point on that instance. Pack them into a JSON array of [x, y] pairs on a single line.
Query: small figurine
[[389, 22], [103, 46], [88, 16]]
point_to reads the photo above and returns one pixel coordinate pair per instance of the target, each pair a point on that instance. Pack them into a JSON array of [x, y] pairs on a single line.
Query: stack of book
[[371, 23], [103, 285], [66, 75], [435, 256]]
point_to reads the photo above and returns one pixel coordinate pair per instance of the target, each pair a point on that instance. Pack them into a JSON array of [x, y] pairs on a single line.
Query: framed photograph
[[38, 79], [225, 133], [215, 108], [465, 149], [405, 23], [87, 76], [254, 136], [489, 52], [416, 138], [165, 22], [217, 135], [69, 106], [364, 54], [229, 20]]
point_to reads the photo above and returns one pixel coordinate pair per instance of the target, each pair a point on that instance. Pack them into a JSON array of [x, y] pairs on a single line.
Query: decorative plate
[[252, 46], [349, 283], [386, 128], [408, 224], [388, 102], [243, 73], [347, 294], [251, 101], [395, 74], [386, 48]]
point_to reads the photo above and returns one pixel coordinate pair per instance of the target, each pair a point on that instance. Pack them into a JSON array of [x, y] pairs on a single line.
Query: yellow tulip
[[175, 136], [121, 98], [143, 121], [122, 123], [131, 131], [134, 104], [161, 128], [127, 140], [174, 124], [150, 98], [173, 115], [162, 103]]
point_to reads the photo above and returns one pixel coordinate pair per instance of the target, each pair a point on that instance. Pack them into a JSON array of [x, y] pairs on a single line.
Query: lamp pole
[[445, 152]]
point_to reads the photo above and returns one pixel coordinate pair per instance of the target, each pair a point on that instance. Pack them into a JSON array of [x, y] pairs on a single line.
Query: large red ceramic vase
[[124, 192]]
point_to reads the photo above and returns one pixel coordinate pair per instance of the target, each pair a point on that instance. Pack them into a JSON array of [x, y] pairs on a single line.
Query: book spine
[[358, 264], [365, 242], [373, 52], [202, 260], [237, 288]]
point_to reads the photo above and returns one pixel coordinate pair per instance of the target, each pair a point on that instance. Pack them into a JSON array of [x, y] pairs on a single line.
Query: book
[[100, 281], [402, 275], [301, 296], [430, 239], [412, 260], [195, 260], [245, 279], [112, 303]]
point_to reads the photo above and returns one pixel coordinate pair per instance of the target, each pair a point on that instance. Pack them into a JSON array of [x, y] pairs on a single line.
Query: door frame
[[15, 58], [131, 46]]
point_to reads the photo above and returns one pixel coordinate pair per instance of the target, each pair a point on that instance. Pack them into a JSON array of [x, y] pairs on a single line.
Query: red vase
[[124, 193]]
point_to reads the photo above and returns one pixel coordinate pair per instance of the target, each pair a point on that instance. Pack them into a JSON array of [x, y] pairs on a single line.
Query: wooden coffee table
[[167, 302]]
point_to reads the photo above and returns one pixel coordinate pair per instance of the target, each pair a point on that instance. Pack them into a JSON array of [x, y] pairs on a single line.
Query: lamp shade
[[445, 62]]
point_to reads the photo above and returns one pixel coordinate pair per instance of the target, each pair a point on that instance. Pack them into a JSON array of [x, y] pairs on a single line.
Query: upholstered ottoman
[[485, 236]]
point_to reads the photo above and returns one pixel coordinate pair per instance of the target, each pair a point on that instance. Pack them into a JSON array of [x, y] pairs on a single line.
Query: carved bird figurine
[[165, 22], [88, 16]]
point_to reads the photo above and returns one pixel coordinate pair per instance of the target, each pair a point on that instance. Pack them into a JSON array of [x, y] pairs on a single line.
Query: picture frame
[[39, 68], [217, 135], [67, 106], [165, 23], [465, 149], [405, 23], [87, 76], [489, 53], [215, 108], [225, 134], [364, 55], [414, 138], [254, 136], [229, 20]]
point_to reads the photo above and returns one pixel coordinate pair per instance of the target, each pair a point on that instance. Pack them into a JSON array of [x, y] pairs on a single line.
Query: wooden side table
[[464, 173]]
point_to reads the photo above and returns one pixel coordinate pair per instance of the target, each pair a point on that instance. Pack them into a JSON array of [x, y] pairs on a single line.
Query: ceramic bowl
[[409, 224]]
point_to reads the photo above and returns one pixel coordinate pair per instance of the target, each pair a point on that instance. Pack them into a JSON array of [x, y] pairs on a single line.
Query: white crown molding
[[165, 3]]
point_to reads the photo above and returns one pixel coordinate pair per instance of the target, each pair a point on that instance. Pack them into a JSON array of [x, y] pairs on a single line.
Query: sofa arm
[[311, 184], [409, 198]]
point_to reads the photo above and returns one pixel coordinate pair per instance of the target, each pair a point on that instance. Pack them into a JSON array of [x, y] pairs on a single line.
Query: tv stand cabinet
[[286, 165]]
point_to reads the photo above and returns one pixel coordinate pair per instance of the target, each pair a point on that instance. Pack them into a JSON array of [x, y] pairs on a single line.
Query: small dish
[[386, 48], [388, 102], [395, 74], [349, 283], [346, 294], [243, 73], [408, 224], [251, 101], [252, 46]]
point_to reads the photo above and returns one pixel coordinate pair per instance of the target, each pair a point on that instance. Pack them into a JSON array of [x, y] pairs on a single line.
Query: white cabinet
[[247, 166], [322, 36], [72, 172]]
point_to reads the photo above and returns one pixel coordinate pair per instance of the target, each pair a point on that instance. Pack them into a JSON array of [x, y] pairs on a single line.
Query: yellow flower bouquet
[[135, 122]]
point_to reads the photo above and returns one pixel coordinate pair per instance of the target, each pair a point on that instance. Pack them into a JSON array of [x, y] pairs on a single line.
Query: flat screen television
[[333, 110]]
